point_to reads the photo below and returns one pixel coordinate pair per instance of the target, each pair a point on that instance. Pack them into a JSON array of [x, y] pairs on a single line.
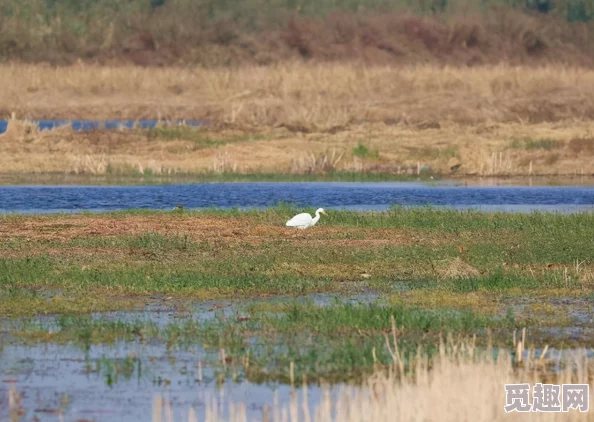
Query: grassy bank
[[80, 263], [130, 176], [369, 152], [303, 119]]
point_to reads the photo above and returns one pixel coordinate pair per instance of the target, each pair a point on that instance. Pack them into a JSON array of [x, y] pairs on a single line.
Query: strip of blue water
[[357, 196], [83, 125]]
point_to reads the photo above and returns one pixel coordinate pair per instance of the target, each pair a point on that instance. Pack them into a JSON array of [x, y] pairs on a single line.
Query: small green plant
[[531, 144], [198, 136], [362, 151], [580, 11], [155, 240]]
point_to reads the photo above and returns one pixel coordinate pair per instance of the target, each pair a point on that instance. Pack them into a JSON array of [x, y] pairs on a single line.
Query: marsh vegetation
[[247, 300]]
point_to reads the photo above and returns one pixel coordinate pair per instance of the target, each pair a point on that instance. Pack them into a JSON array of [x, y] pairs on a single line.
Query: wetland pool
[[118, 380]]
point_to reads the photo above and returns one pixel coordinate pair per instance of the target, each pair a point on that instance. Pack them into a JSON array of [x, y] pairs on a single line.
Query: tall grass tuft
[[461, 383]]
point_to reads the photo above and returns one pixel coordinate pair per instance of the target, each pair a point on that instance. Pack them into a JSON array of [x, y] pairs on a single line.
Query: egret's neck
[[316, 218]]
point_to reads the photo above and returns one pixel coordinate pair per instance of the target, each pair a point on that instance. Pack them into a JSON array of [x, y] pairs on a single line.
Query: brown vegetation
[[224, 230], [304, 118], [303, 97], [503, 149], [185, 34]]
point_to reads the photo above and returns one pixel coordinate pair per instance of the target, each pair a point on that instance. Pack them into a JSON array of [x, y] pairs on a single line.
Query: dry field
[[304, 118]]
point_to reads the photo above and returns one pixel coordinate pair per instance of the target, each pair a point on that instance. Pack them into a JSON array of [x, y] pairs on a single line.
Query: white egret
[[305, 220]]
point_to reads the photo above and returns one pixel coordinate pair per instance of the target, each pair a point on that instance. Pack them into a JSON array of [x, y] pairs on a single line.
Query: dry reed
[[311, 96], [461, 383], [415, 116]]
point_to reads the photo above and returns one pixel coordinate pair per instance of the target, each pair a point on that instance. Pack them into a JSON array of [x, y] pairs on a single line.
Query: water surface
[[86, 125], [331, 195]]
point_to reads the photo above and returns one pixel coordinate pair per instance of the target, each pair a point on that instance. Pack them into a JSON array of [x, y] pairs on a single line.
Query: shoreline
[[52, 179]]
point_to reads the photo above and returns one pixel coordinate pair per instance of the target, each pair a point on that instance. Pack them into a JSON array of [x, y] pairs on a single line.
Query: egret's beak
[[323, 212]]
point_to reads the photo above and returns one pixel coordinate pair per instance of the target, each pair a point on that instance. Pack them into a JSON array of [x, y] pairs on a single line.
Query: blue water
[[354, 196], [79, 125], [45, 374]]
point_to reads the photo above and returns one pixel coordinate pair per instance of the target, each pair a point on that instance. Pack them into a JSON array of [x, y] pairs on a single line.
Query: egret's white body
[[305, 220]]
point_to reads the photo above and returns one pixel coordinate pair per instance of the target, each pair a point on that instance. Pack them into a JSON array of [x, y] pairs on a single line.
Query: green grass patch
[[532, 144], [251, 254], [362, 151], [335, 342], [132, 176], [198, 136], [24, 302]]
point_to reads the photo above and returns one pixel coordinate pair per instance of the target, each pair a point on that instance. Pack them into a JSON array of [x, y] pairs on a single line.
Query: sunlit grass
[[48, 260], [275, 133]]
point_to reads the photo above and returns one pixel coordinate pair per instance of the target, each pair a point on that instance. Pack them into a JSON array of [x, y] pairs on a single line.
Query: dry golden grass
[[460, 384], [313, 95], [496, 120]]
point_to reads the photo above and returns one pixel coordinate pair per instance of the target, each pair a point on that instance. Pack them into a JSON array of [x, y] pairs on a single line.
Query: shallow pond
[[118, 381]]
